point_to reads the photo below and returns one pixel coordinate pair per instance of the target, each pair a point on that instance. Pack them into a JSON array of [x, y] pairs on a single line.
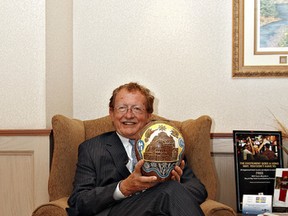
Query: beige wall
[[22, 64], [69, 62], [36, 62], [181, 50], [59, 57]]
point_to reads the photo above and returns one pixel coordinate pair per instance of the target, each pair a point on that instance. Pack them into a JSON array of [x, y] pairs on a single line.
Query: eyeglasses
[[136, 109]]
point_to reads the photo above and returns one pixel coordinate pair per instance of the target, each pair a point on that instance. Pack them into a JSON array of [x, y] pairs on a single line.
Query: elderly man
[[107, 184]]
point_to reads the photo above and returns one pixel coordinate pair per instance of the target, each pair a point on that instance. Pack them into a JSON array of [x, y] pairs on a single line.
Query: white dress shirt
[[125, 141]]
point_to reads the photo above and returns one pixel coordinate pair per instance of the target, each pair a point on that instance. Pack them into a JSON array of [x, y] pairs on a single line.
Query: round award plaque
[[161, 145]]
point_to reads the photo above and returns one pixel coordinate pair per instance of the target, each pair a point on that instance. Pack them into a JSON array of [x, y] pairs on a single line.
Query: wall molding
[[25, 132], [221, 135], [46, 132]]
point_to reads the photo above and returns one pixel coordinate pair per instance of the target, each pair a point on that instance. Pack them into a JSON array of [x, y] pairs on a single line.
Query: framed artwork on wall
[[260, 38], [271, 27]]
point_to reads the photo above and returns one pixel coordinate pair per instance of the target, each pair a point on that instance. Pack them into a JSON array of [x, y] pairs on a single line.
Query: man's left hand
[[178, 171]]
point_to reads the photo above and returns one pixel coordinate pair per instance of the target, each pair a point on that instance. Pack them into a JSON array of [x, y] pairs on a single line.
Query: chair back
[[69, 133]]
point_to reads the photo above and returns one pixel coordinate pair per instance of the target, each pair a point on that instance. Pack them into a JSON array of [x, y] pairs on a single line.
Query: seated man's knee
[[172, 188]]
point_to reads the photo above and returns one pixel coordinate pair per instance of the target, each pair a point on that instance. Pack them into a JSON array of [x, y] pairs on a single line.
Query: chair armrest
[[214, 208], [53, 208]]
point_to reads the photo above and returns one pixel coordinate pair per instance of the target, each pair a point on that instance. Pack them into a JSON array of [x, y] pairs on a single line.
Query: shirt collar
[[124, 140]]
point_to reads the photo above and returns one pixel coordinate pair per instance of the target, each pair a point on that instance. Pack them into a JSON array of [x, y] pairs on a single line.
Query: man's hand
[[178, 171], [136, 181]]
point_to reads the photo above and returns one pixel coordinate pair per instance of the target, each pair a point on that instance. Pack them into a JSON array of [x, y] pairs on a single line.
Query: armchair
[[69, 133]]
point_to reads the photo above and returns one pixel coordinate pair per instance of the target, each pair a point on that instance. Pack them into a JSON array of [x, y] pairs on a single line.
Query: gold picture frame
[[241, 53]]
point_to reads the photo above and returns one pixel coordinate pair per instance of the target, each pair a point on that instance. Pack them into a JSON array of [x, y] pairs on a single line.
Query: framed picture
[[271, 27], [260, 50], [257, 154]]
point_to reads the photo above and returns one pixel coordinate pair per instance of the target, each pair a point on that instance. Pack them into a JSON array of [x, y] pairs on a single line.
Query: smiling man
[[106, 182]]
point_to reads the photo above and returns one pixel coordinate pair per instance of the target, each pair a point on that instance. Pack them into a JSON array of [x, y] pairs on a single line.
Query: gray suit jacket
[[101, 165]]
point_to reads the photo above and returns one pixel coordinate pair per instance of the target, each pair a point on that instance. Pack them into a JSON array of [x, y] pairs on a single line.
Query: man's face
[[129, 114]]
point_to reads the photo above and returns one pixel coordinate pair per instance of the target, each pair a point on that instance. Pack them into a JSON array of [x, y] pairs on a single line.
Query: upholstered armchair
[[69, 133]]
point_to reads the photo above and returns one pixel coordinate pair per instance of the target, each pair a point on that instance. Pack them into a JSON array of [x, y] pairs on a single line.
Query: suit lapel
[[119, 155]]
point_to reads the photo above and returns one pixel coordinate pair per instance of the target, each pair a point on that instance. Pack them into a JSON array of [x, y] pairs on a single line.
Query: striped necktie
[[134, 159]]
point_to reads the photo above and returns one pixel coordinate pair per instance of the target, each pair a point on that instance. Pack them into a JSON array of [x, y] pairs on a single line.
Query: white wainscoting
[[24, 171], [223, 155]]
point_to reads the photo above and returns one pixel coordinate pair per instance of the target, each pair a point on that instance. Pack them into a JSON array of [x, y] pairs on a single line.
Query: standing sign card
[[257, 155], [256, 204], [280, 198]]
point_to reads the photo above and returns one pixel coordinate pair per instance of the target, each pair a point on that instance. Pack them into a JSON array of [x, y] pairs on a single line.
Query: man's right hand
[[136, 182]]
